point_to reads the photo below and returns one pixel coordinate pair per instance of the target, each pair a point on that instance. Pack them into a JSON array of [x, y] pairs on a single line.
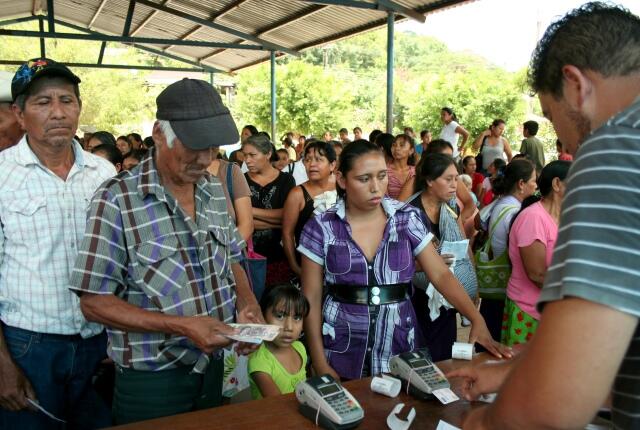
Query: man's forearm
[[115, 312]]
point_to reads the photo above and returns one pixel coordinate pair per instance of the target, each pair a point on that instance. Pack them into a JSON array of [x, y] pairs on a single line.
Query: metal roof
[[225, 35]]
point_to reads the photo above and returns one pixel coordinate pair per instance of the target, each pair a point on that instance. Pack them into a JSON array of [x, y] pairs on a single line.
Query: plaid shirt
[[142, 247], [42, 220]]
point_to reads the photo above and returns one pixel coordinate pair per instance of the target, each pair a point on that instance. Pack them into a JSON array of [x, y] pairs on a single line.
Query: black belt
[[369, 295]]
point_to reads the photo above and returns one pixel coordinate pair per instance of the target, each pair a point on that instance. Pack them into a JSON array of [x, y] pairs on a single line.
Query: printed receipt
[[445, 395]]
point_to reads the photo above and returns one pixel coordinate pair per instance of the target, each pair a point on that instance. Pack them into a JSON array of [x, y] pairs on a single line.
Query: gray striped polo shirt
[[597, 255]]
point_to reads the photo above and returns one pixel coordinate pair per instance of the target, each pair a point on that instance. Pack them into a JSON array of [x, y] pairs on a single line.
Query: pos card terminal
[[418, 371], [328, 404]]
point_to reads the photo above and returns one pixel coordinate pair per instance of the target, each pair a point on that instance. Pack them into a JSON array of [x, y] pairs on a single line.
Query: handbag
[[493, 275], [254, 264]]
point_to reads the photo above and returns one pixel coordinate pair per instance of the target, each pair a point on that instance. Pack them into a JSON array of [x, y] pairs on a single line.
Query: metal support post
[[273, 96], [390, 28]]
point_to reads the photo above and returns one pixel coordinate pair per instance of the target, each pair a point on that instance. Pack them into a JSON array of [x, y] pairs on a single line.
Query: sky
[[503, 31]]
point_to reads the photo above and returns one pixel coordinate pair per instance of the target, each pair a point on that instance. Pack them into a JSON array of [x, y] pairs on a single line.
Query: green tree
[[478, 96], [118, 101], [309, 99]]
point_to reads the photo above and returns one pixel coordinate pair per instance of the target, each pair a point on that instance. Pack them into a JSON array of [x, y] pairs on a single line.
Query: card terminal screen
[[418, 363], [329, 389]]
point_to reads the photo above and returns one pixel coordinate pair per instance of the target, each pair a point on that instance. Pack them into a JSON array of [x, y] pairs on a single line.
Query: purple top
[[326, 240], [352, 332]]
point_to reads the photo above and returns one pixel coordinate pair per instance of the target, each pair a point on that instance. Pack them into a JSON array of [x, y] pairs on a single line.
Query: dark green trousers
[[141, 395]]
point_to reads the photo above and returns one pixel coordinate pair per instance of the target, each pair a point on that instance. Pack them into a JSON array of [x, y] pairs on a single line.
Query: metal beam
[[273, 96], [390, 45], [275, 26], [101, 55], [122, 39], [219, 27], [402, 10], [114, 66], [129, 18], [51, 16], [346, 3], [147, 19], [144, 48], [95, 15], [43, 50], [18, 20], [383, 5]]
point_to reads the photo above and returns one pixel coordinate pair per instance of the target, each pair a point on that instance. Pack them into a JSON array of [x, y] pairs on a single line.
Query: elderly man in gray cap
[[160, 263], [10, 130]]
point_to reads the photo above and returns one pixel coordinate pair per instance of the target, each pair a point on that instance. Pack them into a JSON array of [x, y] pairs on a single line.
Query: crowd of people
[[124, 260]]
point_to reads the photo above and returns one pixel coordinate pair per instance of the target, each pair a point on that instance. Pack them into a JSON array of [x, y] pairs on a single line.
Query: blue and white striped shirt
[[42, 219]]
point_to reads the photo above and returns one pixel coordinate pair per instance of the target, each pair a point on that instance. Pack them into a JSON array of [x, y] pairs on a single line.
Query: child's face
[[291, 324], [283, 160]]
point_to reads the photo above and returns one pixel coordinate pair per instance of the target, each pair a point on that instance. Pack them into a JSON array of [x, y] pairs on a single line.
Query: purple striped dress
[[353, 332]]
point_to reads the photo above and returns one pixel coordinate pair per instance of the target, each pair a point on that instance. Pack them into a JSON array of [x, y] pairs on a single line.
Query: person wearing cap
[[160, 263], [48, 351], [10, 131]]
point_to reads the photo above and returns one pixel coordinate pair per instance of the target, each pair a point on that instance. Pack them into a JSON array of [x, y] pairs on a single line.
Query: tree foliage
[[118, 101], [309, 99], [350, 77]]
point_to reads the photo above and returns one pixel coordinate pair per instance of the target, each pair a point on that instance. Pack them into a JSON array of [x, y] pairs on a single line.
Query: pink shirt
[[534, 223], [395, 185]]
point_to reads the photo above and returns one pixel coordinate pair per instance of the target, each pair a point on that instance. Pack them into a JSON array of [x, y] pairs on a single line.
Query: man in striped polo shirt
[[586, 70]]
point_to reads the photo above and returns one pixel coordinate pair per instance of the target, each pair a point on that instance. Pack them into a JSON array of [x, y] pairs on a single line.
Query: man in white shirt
[[48, 351]]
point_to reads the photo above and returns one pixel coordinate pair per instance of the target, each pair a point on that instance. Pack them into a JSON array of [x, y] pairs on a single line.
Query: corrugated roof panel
[[14, 9], [290, 23]]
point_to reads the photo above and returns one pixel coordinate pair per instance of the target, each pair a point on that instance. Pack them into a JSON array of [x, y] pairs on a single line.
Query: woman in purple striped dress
[[363, 251]]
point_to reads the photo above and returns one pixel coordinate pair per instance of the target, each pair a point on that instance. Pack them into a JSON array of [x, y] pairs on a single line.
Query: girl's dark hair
[[497, 122], [111, 151], [252, 129], [122, 138], [295, 303], [350, 154], [104, 137], [510, 175], [412, 158], [384, 142], [431, 167], [438, 146], [450, 112], [323, 148], [556, 169]]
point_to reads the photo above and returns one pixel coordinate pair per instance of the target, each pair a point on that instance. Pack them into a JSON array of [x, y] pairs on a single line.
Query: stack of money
[[254, 333]]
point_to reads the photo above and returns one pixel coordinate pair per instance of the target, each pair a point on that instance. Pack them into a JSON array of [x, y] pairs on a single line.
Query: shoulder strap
[[230, 180], [492, 228], [305, 193]]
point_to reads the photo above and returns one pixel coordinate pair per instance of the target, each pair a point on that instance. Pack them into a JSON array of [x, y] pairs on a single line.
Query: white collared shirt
[[42, 222]]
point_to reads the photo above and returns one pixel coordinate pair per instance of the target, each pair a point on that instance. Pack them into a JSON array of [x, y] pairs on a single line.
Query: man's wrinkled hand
[[14, 388], [207, 333]]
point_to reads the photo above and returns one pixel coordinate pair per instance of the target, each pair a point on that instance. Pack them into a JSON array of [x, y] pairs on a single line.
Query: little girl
[[277, 366]]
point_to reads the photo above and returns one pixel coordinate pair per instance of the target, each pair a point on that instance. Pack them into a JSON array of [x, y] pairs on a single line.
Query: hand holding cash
[[254, 333]]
